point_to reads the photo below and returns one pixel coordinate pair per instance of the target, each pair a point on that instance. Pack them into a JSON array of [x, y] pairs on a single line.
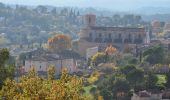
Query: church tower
[[90, 20]]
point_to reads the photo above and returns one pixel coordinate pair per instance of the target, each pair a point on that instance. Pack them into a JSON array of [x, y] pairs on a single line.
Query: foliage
[[110, 50], [168, 79], [98, 58], [114, 87], [33, 87], [133, 74], [154, 55], [125, 70], [59, 42], [151, 80], [6, 71], [4, 56], [94, 77]]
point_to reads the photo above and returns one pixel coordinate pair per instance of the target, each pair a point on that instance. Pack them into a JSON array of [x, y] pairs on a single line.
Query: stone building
[[156, 28], [92, 35]]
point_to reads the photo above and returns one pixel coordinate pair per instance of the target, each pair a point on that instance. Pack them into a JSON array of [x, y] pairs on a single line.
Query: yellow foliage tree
[[33, 87], [98, 58]]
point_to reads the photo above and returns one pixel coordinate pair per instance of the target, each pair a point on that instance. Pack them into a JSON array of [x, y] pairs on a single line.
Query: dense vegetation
[[6, 70]]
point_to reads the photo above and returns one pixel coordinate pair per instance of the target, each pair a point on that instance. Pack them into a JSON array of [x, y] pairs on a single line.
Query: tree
[[133, 74], [168, 79], [154, 55], [6, 71], [114, 87], [4, 56], [125, 70], [98, 58], [59, 42], [34, 87], [151, 80]]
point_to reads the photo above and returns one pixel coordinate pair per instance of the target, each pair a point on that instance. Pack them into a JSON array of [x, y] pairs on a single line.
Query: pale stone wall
[[70, 64]]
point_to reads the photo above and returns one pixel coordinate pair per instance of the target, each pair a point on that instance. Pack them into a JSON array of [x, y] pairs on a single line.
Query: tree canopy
[[34, 87], [154, 55], [59, 42]]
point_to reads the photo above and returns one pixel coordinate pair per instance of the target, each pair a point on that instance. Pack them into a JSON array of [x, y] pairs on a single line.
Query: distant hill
[[153, 10], [160, 17]]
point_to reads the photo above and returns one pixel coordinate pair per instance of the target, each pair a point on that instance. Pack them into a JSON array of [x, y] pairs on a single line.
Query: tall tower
[[90, 20]]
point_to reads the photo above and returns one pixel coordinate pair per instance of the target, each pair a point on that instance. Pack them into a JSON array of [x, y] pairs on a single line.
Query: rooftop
[[117, 28]]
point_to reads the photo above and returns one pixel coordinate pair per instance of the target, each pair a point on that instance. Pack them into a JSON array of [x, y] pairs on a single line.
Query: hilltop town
[[119, 57]]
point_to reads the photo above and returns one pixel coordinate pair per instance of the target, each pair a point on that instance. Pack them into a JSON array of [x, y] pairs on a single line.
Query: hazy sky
[[109, 4]]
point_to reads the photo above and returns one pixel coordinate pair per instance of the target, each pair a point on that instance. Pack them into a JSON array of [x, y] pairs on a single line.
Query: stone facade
[[59, 64], [92, 35]]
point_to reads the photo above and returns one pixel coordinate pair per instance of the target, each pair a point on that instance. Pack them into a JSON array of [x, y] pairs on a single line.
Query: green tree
[[6, 71], [114, 87], [154, 55], [135, 77], [151, 80], [133, 74], [4, 56], [168, 79], [125, 70]]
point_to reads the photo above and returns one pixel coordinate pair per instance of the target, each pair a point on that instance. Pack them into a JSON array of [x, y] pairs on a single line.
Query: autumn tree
[[34, 87], [59, 42], [98, 58]]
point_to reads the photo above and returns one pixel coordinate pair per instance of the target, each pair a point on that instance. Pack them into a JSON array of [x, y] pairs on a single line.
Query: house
[[145, 95], [41, 64], [41, 59]]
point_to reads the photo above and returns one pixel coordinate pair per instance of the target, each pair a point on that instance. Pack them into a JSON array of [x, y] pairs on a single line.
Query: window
[[90, 35], [139, 36], [129, 36], [109, 36], [120, 36], [100, 35], [40, 66], [89, 19]]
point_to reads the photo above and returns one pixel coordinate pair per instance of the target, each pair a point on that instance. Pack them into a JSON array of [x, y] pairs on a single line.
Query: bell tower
[[90, 20]]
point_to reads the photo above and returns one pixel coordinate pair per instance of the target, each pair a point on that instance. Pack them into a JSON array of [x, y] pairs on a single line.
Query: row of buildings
[[92, 38]]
